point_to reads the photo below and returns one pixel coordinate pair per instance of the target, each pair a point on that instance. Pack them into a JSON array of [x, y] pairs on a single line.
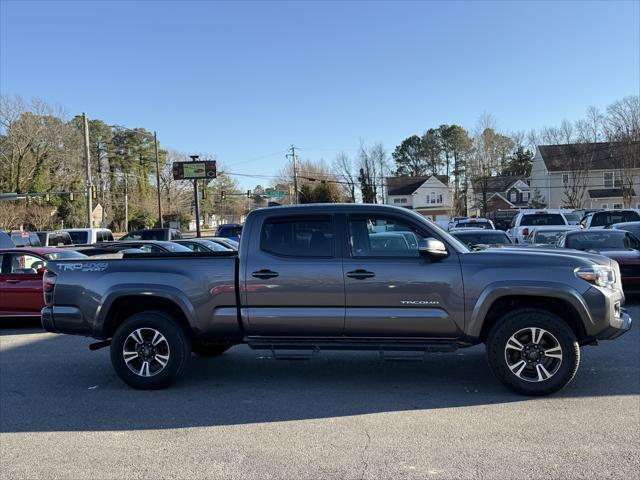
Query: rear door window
[[305, 237]]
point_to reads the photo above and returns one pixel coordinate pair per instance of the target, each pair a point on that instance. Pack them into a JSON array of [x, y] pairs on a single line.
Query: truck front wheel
[[533, 352], [149, 350]]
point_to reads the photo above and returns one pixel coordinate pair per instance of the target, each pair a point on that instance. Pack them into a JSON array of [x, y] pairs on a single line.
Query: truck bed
[[86, 290]]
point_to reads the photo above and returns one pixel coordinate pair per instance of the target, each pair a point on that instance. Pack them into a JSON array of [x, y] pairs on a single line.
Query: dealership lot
[[65, 414]]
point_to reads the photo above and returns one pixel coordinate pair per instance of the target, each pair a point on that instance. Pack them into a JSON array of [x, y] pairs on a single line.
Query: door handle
[[264, 274], [12, 280], [360, 274]]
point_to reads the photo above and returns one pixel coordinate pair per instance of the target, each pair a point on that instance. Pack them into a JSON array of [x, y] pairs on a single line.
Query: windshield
[[572, 218], [630, 227], [79, 238], [600, 240], [63, 255], [175, 247], [538, 219], [216, 247], [486, 238], [547, 236], [474, 224]]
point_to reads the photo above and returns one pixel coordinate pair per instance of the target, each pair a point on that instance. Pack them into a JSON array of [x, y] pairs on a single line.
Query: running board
[[306, 348]]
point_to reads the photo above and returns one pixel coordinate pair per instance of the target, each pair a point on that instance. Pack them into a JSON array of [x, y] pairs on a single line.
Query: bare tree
[[369, 161], [343, 165], [577, 159], [622, 126]]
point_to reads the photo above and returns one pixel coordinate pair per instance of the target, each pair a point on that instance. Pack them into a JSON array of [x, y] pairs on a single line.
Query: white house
[[555, 175], [430, 196], [497, 193]]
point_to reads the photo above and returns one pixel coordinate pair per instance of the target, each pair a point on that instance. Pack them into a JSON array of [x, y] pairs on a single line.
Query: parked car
[[572, 218], [481, 238], [605, 218], [548, 235], [227, 242], [5, 240], [453, 220], [163, 234], [523, 223], [633, 227], [25, 239], [55, 238], [89, 236], [230, 230], [148, 246], [203, 245], [619, 245], [21, 271], [473, 223], [307, 279]]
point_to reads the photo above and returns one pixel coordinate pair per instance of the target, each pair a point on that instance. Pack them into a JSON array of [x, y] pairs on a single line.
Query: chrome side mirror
[[432, 247]]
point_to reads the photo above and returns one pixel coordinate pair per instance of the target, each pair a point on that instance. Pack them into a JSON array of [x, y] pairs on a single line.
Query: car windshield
[[630, 227], [538, 219], [600, 240], [63, 255], [547, 236], [474, 224], [79, 238], [572, 218], [175, 247], [483, 238], [216, 247]]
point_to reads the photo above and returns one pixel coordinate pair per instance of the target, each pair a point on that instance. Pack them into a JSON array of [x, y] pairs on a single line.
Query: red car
[[21, 272]]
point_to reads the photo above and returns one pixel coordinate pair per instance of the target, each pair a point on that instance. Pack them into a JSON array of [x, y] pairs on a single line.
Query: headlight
[[600, 275]]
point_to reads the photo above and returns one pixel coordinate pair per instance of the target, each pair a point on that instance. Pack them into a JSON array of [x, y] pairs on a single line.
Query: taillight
[[525, 232], [48, 284]]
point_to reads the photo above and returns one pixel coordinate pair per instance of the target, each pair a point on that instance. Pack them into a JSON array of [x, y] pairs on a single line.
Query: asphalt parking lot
[[64, 414]]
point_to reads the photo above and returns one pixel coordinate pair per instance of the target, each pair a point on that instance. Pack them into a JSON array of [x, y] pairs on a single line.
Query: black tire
[[175, 346], [500, 356], [207, 350]]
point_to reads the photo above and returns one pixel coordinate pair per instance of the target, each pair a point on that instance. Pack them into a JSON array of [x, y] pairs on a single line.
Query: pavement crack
[[365, 462]]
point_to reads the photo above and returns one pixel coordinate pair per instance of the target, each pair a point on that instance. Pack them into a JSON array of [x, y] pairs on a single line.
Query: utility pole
[[295, 175], [195, 193], [126, 203], [87, 159], [155, 144]]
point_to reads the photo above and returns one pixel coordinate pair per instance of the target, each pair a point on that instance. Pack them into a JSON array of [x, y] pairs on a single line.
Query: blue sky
[[244, 80]]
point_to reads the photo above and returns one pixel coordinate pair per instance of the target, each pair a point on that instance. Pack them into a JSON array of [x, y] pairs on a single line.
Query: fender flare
[[497, 290], [143, 290]]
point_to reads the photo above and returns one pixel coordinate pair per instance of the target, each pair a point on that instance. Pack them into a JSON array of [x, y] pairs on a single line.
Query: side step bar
[[306, 348]]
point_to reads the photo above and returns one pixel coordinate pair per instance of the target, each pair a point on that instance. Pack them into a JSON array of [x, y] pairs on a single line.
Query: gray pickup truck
[[348, 277]]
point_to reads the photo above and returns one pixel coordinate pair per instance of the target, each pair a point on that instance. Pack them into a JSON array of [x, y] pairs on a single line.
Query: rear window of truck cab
[[303, 237]]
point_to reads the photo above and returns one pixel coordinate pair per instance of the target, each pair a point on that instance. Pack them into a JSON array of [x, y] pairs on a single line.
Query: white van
[[89, 236]]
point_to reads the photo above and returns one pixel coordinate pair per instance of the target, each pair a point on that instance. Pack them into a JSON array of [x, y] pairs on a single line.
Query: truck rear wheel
[[149, 350], [205, 350], [533, 352]]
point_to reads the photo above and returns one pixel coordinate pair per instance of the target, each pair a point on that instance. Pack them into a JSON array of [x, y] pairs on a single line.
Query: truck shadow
[[54, 383]]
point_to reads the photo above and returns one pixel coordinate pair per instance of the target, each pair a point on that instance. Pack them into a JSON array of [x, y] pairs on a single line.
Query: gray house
[[587, 175]]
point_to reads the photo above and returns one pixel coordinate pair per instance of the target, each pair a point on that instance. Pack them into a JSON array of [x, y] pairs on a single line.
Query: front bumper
[[617, 326]]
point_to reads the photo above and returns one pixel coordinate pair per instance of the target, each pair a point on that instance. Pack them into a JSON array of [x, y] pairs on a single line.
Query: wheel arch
[[559, 300], [121, 304]]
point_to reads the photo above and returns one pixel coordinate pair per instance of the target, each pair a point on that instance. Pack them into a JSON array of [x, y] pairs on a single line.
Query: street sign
[[194, 170], [275, 194]]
